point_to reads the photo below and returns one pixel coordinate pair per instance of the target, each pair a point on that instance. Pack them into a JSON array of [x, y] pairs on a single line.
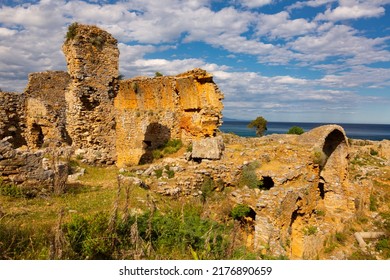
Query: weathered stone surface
[[92, 57], [208, 148], [150, 111], [12, 117], [23, 167], [45, 108]]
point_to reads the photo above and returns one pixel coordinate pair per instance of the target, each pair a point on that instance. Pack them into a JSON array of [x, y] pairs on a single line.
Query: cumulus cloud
[[255, 3], [32, 32], [279, 25], [353, 9], [343, 42]]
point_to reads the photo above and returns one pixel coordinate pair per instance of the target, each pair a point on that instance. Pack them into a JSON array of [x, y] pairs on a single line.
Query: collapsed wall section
[[150, 111], [12, 117], [46, 108], [92, 58]]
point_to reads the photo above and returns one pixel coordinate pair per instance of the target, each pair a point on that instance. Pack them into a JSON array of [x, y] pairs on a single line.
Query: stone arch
[[156, 135], [332, 141]]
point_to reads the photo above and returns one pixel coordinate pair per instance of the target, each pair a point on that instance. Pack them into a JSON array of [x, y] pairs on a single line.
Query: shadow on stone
[[156, 136]]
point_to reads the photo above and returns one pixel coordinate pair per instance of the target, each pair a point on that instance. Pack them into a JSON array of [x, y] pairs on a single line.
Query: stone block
[[208, 148]]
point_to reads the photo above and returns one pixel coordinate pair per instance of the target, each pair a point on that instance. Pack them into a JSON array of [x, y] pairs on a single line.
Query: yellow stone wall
[[150, 111]]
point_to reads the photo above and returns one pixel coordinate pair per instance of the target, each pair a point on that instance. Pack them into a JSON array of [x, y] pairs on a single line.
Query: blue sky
[[308, 61]]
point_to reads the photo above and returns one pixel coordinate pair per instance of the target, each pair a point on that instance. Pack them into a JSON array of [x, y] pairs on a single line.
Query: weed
[[341, 238], [170, 147], [207, 187], [360, 255], [157, 154], [11, 190], [72, 31], [320, 213], [248, 176], [135, 87], [170, 173], [97, 41], [383, 246], [158, 173], [310, 230], [373, 203]]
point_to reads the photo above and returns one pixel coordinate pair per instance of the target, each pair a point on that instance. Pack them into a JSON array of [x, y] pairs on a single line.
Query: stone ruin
[[106, 120], [301, 191], [111, 121]]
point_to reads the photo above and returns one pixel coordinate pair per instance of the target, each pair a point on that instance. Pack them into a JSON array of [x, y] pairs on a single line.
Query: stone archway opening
[[332, 141]]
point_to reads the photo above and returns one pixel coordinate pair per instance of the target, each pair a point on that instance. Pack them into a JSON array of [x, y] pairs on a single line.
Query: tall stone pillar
[[92, 58]]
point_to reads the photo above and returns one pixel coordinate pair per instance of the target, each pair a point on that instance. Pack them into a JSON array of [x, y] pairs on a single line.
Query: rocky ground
[[276, 165]]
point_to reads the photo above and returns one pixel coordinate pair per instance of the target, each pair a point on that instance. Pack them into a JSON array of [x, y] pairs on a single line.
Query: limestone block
[[208, 148]]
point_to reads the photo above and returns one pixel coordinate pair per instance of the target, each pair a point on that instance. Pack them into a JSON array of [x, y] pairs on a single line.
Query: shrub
[[158, 173], [207, 187], [172, 146], [296, 130], [72, 31], [383, 246], [319, 158], [240, 211], [169, 147], [248, 176], [97, 41], [373, 152], [157, 154], [11, 190]]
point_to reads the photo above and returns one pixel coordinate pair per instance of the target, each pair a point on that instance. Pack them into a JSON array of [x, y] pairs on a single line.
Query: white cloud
[[5, 32], [311, 3], [353, 9], [289, 80], [343, 42], [279, 25], [255, 3], [32, 34]]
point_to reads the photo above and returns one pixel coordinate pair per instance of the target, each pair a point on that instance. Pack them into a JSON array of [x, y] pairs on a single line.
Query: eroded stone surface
[[12, 117], [151, 111], [46, 108], [92, 57]]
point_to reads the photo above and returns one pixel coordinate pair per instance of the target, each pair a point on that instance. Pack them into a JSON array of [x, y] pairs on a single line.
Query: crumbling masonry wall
[[92, 58], [12, 117], [46, 109], [150, 111]]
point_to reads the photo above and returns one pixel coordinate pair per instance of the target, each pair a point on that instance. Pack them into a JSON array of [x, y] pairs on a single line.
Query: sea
[[376, 132]]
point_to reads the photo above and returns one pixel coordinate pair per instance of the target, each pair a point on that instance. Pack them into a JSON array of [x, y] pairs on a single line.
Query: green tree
[[158, 74], [296, 130], [260, 124]]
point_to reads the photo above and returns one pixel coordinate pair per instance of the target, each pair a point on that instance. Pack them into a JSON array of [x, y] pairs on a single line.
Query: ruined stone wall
[[150, 111], [311, 196], [12, 117], [92, 57], [46, 108], [21, 167]]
